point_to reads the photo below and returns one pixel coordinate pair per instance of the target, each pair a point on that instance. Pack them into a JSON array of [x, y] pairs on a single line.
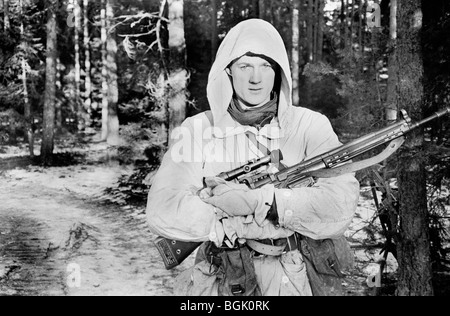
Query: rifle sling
[[359, 165]]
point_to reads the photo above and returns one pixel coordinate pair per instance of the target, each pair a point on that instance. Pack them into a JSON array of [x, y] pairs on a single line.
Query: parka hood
[[254, 36]]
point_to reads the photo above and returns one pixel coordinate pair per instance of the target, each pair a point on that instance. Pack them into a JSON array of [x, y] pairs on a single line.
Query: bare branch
[[139, 34]]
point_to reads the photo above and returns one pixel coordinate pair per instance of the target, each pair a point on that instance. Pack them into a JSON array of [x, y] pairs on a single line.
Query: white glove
[[237, 199], [243, 228]]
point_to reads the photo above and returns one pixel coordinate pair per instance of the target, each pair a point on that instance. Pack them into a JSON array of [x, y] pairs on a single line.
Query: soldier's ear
[[228, 70]]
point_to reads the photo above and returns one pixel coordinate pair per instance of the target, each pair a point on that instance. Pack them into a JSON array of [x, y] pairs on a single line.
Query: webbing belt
[[288, 244]]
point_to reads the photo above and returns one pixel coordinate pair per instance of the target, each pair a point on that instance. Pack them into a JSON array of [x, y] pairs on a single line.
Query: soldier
[[251, 238]]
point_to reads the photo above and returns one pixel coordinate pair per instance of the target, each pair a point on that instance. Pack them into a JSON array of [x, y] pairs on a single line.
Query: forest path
[[55, 222], [61, 234]]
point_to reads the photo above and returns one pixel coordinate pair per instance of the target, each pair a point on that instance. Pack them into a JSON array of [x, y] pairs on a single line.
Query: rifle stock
[[174, 252]]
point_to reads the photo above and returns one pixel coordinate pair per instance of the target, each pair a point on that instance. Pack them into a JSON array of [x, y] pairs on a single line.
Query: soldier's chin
[[254, 103]]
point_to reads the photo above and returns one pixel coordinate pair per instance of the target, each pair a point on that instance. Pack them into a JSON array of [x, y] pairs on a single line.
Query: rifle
[[329, 164]]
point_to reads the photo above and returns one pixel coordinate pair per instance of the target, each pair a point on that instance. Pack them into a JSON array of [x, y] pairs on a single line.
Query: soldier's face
[[253, 79]]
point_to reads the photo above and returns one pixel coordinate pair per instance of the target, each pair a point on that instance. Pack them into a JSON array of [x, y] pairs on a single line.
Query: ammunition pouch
[[327, 262]]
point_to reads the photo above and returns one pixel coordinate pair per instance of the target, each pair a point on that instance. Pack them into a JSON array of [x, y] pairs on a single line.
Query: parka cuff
[[267, 196], [285, 212], [217, 233]]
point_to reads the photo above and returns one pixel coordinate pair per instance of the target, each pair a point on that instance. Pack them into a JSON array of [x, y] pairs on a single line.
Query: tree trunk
[[309, 51], [391, 104], [110, 121], [415, 273], [352, 23], [309, 31], [272, 9], [214, 36], [77, 77], [295, 53], [27, 105], [302, 43], [6, 23], [58, 102], [87, 64], [360, 25], [320, 27], [315, 28], [163, 39], [343, 24], [178, 74], [113, 88], [104, 38], [346, 16], [27, 110], [50, 87], [363, 37], [262, 9], [255, 9], [376, 37]]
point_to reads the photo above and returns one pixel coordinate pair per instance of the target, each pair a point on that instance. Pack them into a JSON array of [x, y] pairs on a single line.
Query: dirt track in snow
[[60, 236]]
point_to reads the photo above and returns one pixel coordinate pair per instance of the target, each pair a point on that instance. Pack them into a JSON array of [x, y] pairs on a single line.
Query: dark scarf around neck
[[257, 116]]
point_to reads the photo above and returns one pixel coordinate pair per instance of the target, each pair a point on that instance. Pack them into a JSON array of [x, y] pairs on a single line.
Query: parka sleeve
[[173, 208], [326, 209]]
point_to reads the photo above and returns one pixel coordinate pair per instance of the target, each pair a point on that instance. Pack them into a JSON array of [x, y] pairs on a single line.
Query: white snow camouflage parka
[[201, 149]]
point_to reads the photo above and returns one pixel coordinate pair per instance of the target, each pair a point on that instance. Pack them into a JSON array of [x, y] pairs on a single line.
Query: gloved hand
[[237, 199], [241, 228]]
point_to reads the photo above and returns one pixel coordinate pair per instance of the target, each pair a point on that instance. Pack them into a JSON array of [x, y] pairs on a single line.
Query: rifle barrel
[[350, 150], [436, 115]]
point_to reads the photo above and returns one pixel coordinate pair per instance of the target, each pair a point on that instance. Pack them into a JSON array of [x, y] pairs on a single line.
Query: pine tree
[[50, 87], [214, 36], [391, 109], [77, 77], [110, 89], [6, 22], [413, 251], [87, 62], [178, 74], [295, 52]]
